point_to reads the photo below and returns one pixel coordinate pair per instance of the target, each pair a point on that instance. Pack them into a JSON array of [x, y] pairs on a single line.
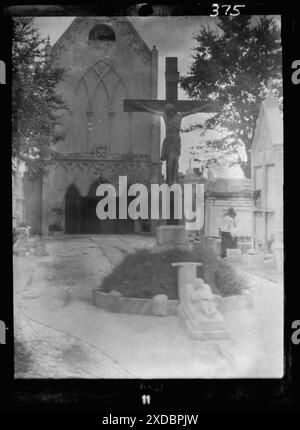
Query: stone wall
[[33, 203], [18, 199]]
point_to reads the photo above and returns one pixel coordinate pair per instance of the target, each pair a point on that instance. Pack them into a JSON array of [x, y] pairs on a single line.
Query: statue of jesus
[[171, 146]]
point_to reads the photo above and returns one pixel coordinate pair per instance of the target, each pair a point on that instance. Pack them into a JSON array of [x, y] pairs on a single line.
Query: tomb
[[267, 181]]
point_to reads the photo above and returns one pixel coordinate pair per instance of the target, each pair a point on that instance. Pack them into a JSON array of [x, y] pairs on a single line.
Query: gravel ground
[[53, 354]]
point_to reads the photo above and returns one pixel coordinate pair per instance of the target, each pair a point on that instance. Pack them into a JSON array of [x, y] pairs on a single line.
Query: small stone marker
[[115, 293], [234, 255], [255, 260], [160, 305], [170, 236]]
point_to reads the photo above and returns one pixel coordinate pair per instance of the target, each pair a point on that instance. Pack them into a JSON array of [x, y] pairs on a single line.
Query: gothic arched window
[[102, 32]]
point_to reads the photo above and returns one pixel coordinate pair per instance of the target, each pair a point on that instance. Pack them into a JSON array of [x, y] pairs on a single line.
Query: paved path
[[53, 300]]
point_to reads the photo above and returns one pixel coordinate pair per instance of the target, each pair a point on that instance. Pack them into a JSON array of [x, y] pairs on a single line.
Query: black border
[[166, 395]]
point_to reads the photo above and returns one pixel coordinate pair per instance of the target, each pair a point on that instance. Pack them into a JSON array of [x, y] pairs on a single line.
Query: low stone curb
[[138, 306], [129, 305], [234, 303]]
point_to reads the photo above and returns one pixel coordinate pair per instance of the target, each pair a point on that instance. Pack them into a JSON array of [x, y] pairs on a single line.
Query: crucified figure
[[171, 146]]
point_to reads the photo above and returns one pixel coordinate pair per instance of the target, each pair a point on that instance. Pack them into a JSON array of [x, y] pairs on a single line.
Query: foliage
[[36, 107], [228, 281], [144, 273], [55, 227], [238, 65], [58, 210]]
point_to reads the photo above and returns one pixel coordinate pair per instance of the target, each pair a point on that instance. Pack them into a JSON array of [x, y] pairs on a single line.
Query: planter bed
[[138, 306], [129, 305]]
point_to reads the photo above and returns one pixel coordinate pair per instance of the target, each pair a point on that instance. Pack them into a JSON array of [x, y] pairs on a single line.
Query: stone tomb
[[220, 194], [197, 309], [267, 181], [172, 236]]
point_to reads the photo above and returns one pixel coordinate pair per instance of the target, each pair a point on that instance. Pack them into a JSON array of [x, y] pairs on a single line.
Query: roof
[[228, 185]]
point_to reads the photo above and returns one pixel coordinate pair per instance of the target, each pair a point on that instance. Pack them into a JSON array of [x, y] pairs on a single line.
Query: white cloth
[[228, 224]]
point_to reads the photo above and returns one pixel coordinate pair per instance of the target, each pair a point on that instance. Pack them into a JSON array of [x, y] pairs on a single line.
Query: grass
[[144, 273]]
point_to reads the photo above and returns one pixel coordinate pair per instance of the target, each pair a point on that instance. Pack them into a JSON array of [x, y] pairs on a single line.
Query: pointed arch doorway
[[73, 211], [93, 225], [81, 217]]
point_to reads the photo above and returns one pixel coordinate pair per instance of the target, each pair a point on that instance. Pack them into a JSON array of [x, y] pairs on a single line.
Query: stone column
[[187, 273]]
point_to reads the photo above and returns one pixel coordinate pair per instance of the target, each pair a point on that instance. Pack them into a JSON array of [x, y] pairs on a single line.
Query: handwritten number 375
[[216, 8]]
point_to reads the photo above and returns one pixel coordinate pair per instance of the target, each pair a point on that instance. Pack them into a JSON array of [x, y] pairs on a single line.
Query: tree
[[36, 107], [237, 64]]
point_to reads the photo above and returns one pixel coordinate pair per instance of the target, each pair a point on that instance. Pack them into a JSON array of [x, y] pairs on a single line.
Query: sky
[[173, 37]]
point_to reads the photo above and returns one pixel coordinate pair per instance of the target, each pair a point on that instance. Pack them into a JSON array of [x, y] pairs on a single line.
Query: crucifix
[[172, 111]]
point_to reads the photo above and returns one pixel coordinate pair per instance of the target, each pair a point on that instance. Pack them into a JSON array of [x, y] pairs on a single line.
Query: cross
[[173, 111], [171, 79]]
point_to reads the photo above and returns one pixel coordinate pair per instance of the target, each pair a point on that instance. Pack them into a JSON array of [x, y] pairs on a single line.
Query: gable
[[80, 30], [105, 62], [269, 127]]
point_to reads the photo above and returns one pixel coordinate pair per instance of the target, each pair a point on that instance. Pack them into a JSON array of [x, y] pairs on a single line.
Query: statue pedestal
[[186, 274], [213, 329], [172, 235]]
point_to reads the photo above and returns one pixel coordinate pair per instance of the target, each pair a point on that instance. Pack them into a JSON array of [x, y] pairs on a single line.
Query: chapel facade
[[105, 61]]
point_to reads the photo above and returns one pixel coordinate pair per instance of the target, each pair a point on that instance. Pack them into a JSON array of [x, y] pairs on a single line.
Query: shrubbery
[[144, 273]]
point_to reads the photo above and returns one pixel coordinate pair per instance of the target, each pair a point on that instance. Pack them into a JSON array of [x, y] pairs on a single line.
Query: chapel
[[105, 61]]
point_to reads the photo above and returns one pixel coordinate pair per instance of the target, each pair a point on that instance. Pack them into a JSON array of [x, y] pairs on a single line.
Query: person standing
[[228, 231]]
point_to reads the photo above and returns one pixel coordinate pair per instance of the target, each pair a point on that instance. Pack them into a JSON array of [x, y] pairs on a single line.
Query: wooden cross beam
[[172, 79]]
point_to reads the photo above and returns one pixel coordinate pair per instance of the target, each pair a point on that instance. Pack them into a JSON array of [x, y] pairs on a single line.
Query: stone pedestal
[[172, 235], [234, 255], [187, 273], [256, 260], [204, 330]]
